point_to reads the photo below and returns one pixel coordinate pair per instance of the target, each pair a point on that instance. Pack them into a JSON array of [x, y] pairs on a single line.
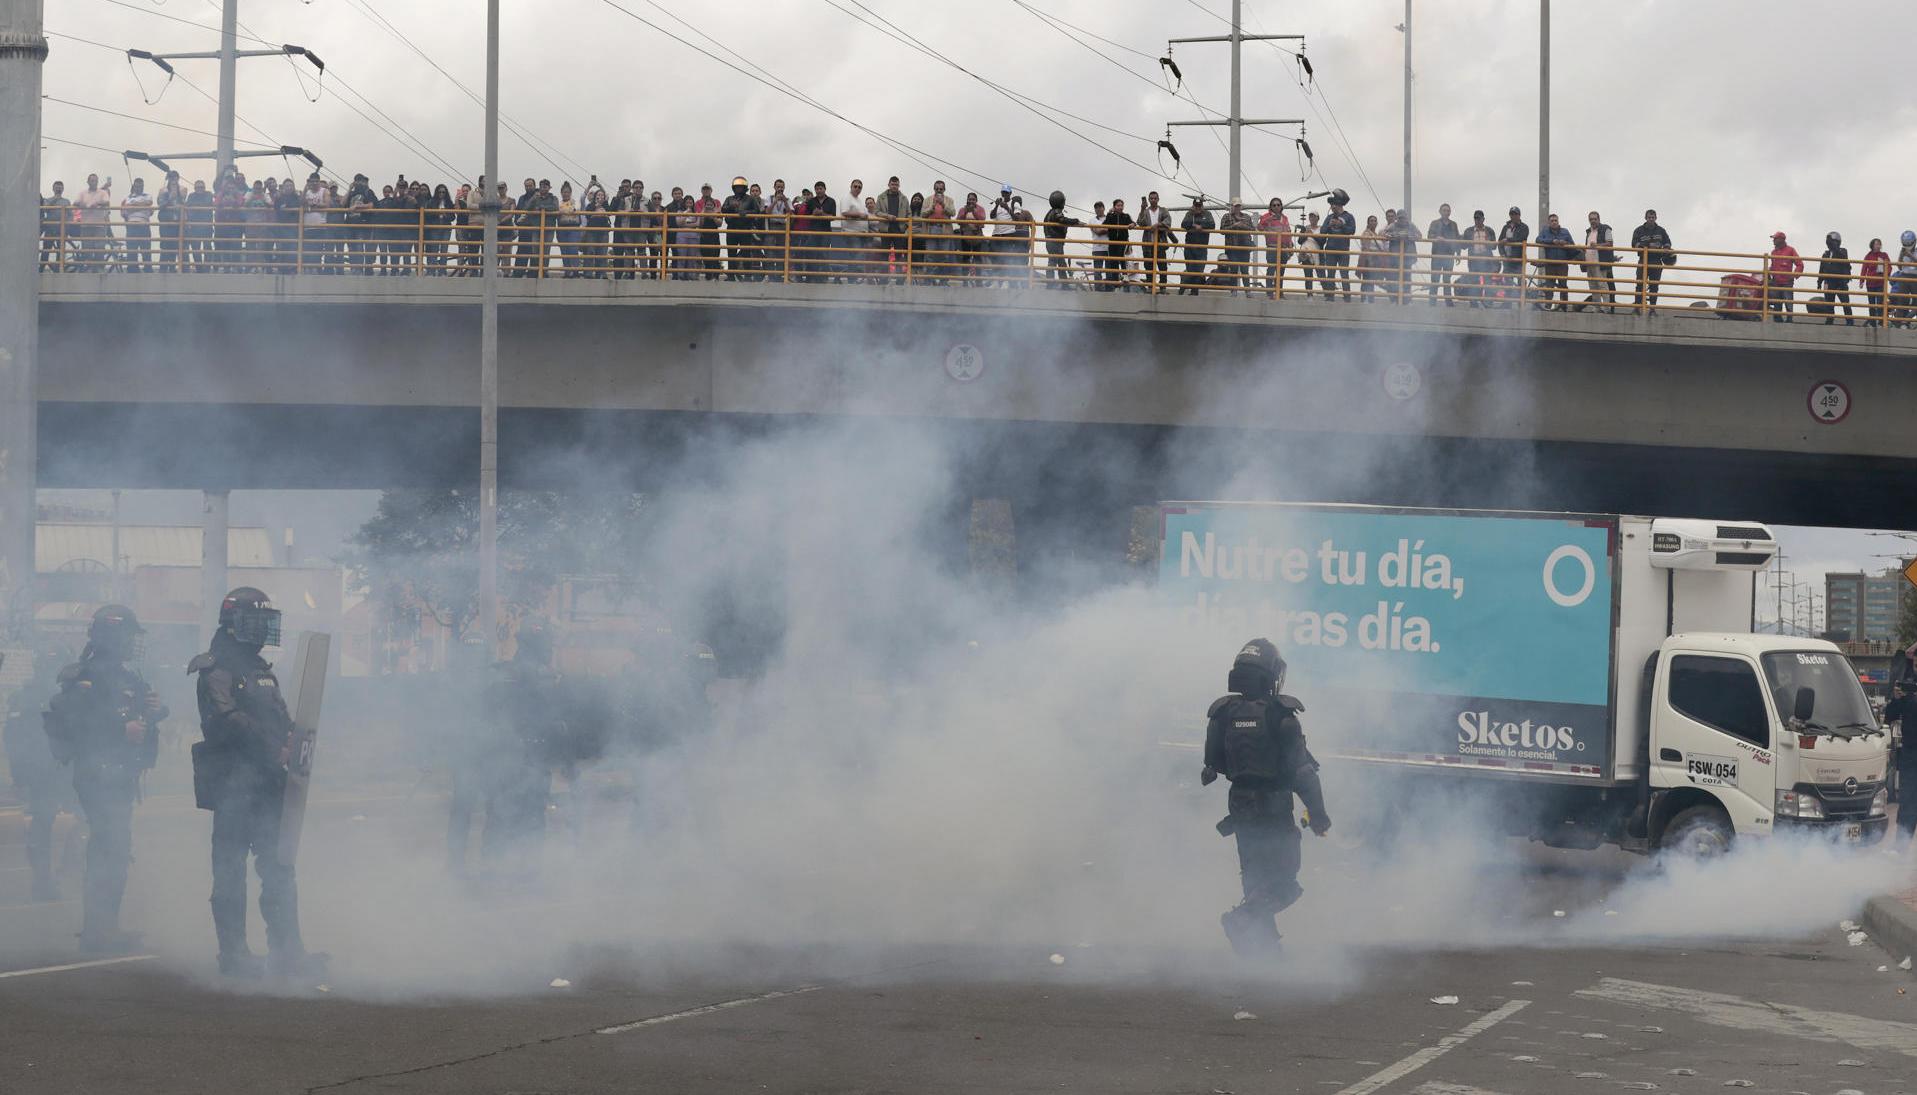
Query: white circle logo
[[1561, 598], [1402, 380], [964, 363]]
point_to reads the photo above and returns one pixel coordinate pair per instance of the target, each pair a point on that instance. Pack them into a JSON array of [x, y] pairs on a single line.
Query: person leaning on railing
[[55, 213], [1654, 253], [1903, 282], [136, 214]]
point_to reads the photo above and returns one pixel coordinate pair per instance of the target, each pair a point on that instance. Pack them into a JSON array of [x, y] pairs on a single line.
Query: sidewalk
[[1891, 920]]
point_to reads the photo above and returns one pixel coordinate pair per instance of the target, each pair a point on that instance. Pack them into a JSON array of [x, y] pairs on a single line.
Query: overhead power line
[[762, 76], [1024, 102]]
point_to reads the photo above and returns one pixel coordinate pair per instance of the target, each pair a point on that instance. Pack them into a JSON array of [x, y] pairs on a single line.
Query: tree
[[1906, 616], [419, 552]]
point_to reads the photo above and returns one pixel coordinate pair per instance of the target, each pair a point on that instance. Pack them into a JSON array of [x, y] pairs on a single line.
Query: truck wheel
[[1701, 832]]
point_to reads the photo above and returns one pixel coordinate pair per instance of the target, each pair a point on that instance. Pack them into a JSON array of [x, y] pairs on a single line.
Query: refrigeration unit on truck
[[1588, 678]]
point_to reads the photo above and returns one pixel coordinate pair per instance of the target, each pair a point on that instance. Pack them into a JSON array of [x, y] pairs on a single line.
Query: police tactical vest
[[1251, 749]]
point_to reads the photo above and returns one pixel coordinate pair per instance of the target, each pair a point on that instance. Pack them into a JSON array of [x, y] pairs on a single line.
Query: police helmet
[[1834, 239], [1058, 199], [1909, 237], [738, 182], [116, 633], [249, 616], [1260, 657], [532, 642], [1339, 197]]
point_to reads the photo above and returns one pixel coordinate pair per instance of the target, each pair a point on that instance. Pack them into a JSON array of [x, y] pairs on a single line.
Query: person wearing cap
[[1004, 232], [1653, 245], [1481, 261], [1198, 225], [1784, 266], [1240, 233], [1833, 277], [1512, 237], [1334, 245], [741, 213], [1276, 229]]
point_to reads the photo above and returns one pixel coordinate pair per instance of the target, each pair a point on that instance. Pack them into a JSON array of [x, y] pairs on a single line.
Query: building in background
[[1862, 607]]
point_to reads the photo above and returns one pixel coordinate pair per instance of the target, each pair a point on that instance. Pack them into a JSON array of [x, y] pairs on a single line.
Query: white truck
[[1590, 678]]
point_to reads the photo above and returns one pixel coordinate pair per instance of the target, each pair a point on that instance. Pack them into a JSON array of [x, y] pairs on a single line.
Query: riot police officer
[[36, 773], [105, 720], [1254, 740], [239, 773], [527, 714]]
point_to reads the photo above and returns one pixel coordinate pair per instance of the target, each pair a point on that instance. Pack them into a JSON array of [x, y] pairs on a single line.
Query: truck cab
[[1754, 734]]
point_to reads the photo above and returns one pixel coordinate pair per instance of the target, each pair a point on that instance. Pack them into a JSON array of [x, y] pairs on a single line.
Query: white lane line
[[1451, 1089], [1739, 1013], [1393, 1073], [78, 965], [708, 1009]]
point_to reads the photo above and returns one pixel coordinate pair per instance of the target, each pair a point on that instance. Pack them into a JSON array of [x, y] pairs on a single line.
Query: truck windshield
[[1841, 708]]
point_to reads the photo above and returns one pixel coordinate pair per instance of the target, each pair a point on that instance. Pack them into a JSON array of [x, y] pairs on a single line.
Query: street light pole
[[1407, 109], [23, 53], [489, 353], [229, 84], [1544, 110]]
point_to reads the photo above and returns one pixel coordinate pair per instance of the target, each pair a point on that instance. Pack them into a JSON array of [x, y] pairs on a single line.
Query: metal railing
[[701, 245]]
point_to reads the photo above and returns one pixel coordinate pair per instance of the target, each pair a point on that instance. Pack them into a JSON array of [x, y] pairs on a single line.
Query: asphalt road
[[1803, 1011]]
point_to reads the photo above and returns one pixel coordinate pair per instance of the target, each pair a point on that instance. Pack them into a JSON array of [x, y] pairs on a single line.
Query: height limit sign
[[1829, 402]]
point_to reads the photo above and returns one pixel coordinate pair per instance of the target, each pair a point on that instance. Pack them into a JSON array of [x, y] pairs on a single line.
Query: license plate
[[1853, 832]]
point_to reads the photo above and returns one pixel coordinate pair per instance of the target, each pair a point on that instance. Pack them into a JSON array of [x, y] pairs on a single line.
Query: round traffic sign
[[1402, 380], [1829, 402], [964, 363]]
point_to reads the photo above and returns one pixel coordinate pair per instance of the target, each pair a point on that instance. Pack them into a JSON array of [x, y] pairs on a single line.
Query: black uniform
[[36, 772], [239, 773], [526, 720], [744, 219], [1254, 739], [88, 722], [1904, 708]]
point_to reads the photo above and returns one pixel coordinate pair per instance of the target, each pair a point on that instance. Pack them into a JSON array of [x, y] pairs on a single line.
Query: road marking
[[708, 1009], [1768, 1018], [78, 966], [1452, 1089], [1393, 1073]]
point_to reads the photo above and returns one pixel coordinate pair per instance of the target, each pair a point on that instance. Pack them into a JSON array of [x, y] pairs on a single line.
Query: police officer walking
[[239, 773], [1254, 740], [528, 716], [36, 773], [1903, 709], [105, 719]]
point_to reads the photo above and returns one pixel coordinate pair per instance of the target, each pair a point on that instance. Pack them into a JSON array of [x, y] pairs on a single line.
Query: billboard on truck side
[[1478, 640]]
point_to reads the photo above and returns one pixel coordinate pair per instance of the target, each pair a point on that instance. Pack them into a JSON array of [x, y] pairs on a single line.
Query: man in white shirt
[[94, 208], [136, 211]]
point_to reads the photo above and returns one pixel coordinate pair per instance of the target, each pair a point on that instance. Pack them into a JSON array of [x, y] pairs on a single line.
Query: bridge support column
[[23, 50], [213, 525]]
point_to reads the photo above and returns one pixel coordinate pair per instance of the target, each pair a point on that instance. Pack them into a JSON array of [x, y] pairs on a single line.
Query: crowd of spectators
[[280, 226]]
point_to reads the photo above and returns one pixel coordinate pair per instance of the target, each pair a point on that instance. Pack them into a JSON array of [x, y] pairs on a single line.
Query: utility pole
[[1236, 121], [1407, 107], [1544, 110], [23, 52], [228, 55], [489, 353]]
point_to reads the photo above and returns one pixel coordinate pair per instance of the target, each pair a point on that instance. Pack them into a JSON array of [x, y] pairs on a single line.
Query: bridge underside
[[1062, 469]]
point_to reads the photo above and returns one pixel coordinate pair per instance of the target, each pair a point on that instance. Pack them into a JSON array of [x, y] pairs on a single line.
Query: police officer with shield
[[105, 720], [239, 773], [1254, 740]]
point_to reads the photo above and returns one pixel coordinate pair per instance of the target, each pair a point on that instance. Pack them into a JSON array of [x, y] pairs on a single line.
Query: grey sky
[[1733, 117]]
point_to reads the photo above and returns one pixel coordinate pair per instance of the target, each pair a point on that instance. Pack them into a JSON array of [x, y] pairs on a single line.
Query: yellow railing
[[698, 245]]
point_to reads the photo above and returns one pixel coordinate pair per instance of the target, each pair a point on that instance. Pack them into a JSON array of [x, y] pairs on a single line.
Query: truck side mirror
[[1805, 704]]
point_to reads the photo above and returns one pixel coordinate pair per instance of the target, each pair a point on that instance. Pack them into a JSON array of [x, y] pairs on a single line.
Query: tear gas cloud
[[927, 757]]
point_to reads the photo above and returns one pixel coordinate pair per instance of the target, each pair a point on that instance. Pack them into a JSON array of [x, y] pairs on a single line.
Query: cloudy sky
[[1733, 117]]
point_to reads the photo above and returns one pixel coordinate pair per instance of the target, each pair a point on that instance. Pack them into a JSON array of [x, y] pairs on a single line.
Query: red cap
[[1777, 235]]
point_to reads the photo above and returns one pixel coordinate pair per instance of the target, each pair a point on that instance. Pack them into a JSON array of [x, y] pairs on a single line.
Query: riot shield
[[310, 653]]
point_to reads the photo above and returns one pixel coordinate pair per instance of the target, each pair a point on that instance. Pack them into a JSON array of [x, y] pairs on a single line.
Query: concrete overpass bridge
[[1077, 400]]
